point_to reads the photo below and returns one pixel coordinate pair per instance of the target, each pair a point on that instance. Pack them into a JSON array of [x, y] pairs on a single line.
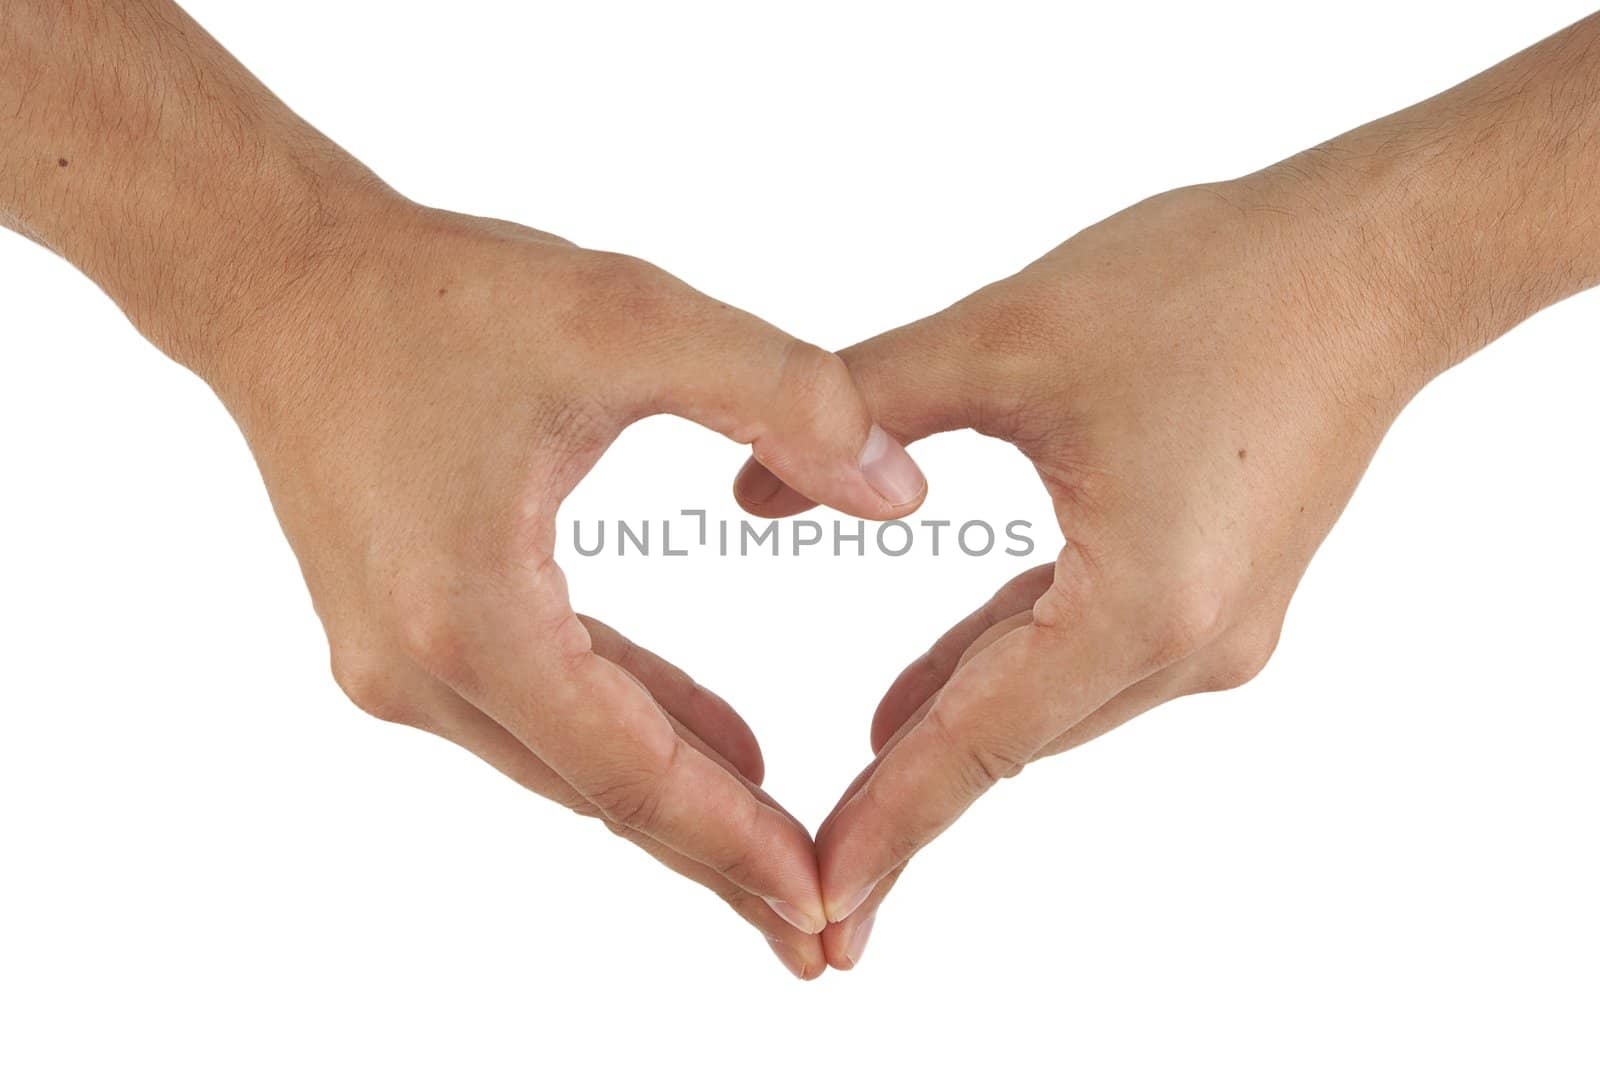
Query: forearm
[[137, 148], [1470, 211]]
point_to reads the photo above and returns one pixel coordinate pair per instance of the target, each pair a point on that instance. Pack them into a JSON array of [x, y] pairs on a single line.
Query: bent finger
[[927, 674], [795, 404], [923, 378], [464, 725], [707, 715], [990, 719], [530, 664]]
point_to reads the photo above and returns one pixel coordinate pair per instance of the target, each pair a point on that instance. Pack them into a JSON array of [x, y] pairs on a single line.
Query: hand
[[421, 402], [1200, 382]]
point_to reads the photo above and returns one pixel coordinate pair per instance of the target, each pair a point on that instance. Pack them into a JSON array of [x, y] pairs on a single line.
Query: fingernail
[[806, 924], [889, 469], [755, 484], [851, 903], [789, 957], [858, 939]]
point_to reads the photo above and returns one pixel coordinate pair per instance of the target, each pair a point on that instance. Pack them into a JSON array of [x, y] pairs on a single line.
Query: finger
[[989, 637], [523, 657], [984, 640], [452, 718], [945, 372], [794, 403], [1124, 708], [707, 715], [989, 720], [927, 674], [800, 952], [846, 940], [844, 943], [1160, 688], [763, 494], [949, 371], [998, 631], [620, 753]]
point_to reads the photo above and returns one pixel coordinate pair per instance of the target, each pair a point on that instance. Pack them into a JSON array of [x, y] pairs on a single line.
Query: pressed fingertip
[[842, 907], [798, 918], [858, 939], [890, 470], [789, 958], [755, 485]]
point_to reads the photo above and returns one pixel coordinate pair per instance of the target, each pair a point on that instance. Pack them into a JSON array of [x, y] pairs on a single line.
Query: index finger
[[993, 716], [527, 661]]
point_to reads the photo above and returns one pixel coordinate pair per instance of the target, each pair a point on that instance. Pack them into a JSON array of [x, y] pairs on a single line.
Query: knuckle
[[1070, 587], [981, 762], [812, 380], [902, 832], [581, 807], [740, 900], [631, 801], [433, 641], [618, 273], [427, 612], [987, 768], [369, 683], [735, 862], [627, 833], [1231, 673], [1189, 617], [1240, 660], [901, 846], [736, 868], [901, 841], [1055, 608]]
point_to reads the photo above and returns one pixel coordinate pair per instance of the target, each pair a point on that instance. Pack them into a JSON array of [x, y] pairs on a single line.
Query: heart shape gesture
[[1200, 382], [1141, 366]]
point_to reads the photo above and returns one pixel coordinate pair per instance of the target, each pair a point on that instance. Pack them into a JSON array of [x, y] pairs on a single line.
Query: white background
[[1383, 850]]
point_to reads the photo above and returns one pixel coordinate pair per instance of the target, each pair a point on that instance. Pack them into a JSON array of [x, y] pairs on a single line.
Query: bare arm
[[1479, 206], [140, 150]]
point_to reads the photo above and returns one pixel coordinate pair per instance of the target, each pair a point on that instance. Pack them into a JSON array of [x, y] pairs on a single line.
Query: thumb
[[794, 403], [918, 380]]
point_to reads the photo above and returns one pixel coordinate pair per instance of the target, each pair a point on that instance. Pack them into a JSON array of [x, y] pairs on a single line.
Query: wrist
[[1467, 213], [1340, 247], [246, 252]]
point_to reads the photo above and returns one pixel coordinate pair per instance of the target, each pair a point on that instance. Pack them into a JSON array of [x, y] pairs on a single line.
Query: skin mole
[[1241, 454], [61, 162]]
